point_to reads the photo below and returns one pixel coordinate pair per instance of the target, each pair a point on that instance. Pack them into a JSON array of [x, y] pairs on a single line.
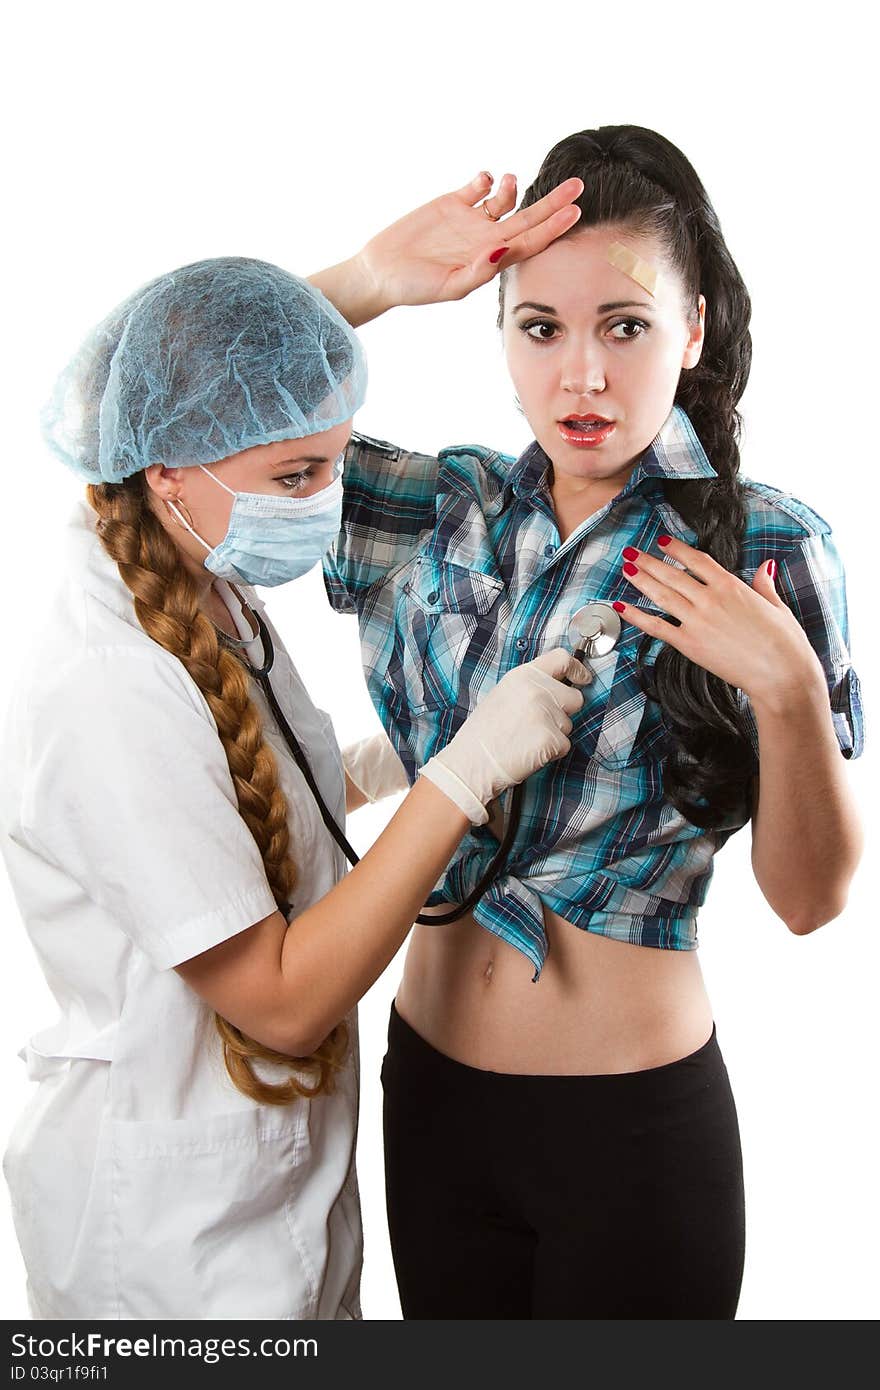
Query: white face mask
[[271, 540]]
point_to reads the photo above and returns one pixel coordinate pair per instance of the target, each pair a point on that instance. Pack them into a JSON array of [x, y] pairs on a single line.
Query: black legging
[[610, 1196]]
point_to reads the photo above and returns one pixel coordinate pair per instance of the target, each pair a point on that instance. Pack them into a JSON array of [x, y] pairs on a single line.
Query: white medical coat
[[144, 1185]]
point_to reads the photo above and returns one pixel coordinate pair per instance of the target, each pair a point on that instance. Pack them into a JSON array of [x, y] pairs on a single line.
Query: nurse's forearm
[[288, 986], [334, 951], [351, 290]]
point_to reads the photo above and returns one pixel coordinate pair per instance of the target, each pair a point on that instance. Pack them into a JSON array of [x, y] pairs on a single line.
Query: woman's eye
[[541, 336], [628, 324]]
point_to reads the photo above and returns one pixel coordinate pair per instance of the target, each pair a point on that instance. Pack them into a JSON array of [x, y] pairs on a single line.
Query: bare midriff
[[600, 1005]]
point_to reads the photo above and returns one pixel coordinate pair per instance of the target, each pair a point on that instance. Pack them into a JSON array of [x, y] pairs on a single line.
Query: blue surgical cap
[[202, 363]]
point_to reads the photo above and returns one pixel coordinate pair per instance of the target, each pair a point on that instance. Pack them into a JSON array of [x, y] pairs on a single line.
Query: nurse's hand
[[518, 727], [742, 633], [374, 770], [443, 249]]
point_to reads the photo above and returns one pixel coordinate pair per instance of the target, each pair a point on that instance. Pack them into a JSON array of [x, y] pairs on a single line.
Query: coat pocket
[[202, 1216]]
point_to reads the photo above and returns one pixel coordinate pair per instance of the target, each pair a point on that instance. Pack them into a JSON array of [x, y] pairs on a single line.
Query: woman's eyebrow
[[623, 304], [601, 309]]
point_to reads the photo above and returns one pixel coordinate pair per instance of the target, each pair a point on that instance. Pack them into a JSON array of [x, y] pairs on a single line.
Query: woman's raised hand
[[444, 249]]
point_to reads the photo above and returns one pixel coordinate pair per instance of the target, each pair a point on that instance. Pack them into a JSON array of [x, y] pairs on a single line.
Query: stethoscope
[[593, 631]]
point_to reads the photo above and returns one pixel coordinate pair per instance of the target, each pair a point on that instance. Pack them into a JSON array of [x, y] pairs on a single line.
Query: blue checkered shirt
[[455, 569]]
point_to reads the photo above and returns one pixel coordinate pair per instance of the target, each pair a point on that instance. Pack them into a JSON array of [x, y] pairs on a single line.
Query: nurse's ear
[[164, 482], [696, 335], [165, 485]]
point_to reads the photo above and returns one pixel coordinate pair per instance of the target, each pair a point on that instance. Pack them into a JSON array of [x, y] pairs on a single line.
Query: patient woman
[[561, 1136]]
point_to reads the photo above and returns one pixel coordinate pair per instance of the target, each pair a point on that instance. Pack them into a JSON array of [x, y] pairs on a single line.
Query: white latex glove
[[374, 767], [518, 727]]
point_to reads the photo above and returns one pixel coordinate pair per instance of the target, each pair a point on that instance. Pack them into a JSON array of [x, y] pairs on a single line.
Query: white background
[[144, 137]]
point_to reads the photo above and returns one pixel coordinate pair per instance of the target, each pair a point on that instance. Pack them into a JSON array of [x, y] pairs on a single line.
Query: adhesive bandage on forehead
[[632, 265]]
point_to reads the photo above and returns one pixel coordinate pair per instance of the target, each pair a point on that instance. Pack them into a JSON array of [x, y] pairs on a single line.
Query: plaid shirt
[[456, 571]]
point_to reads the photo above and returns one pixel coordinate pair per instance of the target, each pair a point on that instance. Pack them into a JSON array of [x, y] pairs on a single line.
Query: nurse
[[561, 1136], [189, 1151]]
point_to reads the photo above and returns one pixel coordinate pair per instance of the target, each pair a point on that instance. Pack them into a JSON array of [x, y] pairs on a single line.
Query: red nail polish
[[771, 568], [619, 606], [496, 255], [630, 553], [630, 569], [663, 540]]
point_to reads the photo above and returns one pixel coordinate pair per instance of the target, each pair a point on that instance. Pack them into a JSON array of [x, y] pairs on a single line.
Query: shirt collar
[[675, 453]]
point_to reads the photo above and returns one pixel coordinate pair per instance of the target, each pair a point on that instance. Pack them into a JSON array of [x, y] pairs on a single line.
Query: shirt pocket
[[445, 616], [618, 726]]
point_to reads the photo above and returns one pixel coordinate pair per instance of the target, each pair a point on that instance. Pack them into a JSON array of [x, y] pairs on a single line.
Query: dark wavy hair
[[636, 179]]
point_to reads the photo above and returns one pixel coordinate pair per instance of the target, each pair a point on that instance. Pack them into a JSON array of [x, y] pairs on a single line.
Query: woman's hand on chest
[[742, 633]]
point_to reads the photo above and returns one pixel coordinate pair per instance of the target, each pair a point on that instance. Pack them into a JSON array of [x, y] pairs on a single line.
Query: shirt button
[[549, 550], [521, 643], [432, 598]]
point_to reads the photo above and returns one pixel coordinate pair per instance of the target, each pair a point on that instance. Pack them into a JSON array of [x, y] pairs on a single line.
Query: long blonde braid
[[166, 606]]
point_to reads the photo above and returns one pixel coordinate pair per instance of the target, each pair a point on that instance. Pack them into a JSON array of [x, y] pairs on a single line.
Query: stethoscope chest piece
[[594, 629]]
